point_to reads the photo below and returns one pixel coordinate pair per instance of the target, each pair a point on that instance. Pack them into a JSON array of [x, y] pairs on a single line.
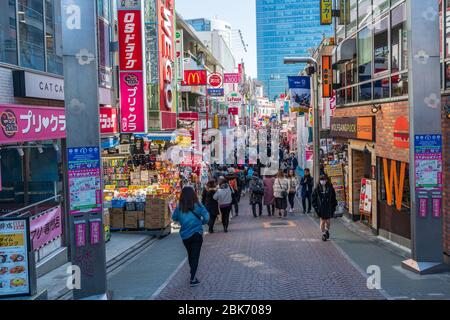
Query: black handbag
[[283, 193]]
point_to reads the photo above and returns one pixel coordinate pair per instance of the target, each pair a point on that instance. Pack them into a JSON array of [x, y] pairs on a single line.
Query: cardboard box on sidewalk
[[117, 220], [131, 219]]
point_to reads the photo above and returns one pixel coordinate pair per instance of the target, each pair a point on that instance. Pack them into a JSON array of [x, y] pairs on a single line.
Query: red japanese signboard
[[231, 78], [108, 120], [133, 108]]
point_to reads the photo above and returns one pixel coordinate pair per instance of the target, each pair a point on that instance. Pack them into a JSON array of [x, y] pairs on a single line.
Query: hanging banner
[[300, 92], [46, 228], [133, 106], [326, 12], [179, 49]]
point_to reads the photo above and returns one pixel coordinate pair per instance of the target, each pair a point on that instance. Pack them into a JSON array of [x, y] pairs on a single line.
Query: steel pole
[[316, 129]]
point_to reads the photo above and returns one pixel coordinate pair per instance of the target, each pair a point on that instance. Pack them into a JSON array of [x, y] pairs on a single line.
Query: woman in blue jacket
[[191, 215]]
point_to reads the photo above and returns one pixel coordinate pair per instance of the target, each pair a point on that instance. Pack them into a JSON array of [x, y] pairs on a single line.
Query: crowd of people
[[222, 194]]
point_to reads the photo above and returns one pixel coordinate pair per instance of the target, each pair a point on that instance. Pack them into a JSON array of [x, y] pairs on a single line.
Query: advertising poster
[[14, 267], [84, 180], [300, 92], [46, 228], [365, 205]]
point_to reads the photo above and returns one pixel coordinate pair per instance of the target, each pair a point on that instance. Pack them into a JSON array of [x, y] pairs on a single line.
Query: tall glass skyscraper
[[285, 28]]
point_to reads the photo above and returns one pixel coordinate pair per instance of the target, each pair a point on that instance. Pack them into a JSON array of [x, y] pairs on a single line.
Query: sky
[[241, 14]]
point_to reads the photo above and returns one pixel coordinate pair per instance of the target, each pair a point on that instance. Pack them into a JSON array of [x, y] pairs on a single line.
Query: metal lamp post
[[316, 135]]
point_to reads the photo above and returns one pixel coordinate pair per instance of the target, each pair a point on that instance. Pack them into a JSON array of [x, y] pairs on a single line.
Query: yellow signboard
[[11, 240], [326, 12]]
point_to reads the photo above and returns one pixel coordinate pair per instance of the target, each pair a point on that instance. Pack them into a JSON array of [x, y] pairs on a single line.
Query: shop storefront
[[140, 184], [32, 144]]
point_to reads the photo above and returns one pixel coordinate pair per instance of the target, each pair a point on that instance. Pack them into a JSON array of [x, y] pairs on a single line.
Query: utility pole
[[426, 136], [84, 176]]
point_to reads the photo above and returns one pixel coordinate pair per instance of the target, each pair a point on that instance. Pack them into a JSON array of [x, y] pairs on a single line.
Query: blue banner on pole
[[299, 82]]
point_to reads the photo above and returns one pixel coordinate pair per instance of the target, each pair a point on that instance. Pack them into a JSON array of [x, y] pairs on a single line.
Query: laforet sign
[[361, 128]]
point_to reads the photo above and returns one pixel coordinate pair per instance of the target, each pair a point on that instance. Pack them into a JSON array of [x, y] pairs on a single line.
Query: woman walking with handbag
[[293, 186], [191, 215], [280, 192], [224, 198]]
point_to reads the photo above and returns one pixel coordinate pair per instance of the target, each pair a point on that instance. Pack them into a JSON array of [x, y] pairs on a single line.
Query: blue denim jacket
[[190, 224]]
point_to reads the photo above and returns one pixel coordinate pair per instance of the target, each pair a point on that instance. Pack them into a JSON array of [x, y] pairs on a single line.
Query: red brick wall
[[446, 168], [385, 121]]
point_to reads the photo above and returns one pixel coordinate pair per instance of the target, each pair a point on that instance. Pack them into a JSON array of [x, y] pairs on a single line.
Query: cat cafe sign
[[33, 85]]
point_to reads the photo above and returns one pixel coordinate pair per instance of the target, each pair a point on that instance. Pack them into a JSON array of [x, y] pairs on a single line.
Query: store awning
[[158, 136], [110, 142], [345, 51]]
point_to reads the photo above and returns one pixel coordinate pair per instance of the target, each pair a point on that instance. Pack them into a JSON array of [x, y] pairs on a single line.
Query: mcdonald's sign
[[195, 78]]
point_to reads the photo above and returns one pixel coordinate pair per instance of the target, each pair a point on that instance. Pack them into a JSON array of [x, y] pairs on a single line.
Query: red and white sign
[[234, 98], [231, 78], [215, 80], [166, 55], [108, 120], [133, 106], [30, 123], [233, 111]]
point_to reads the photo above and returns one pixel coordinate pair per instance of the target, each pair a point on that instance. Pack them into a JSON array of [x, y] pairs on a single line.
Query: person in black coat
[[210, 204], [325, 203], [307, 184]]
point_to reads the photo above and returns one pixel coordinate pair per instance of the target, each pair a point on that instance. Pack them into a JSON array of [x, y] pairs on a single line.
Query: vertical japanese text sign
[[166, 53], [133, 105], [327, 77], [79, 36], [326, 12]]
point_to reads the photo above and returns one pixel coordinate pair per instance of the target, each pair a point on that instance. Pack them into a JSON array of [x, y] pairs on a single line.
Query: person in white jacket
[[224, 198], [280, 192]]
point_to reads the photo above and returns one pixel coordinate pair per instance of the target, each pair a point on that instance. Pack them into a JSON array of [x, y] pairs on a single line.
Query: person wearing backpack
[[256, 194], [191, 215], [224, 197], [210, 204], [280, 192]]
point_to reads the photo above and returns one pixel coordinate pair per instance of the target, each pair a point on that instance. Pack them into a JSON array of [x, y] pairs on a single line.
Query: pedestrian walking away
[[233, 182], [256, 194], [307, 185], [325, 203], [293, 186], [224, 198], [191, 215], [280, 192], [269, 199], [210, 203]]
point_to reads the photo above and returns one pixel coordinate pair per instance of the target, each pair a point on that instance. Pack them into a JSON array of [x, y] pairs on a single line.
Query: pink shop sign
[[46, 228], [132, 104], [31, 123]]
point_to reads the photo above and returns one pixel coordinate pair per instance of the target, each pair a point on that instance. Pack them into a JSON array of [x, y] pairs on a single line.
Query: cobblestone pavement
[[256, 261]]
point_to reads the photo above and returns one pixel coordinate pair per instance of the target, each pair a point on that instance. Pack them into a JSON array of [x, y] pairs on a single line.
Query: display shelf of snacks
[[116, 171]]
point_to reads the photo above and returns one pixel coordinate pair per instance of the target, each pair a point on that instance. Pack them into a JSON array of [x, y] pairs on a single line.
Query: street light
[[316, 135]]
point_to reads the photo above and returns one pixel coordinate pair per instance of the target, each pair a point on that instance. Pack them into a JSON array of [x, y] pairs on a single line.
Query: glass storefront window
[[381, 89], [53, 36], [365, 92], [399, 85], [364, 12], [31, 34], [380, 6], [353, 7], [381, 46], [365, 54], [8, 34], [340, 97], [399, 41]]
